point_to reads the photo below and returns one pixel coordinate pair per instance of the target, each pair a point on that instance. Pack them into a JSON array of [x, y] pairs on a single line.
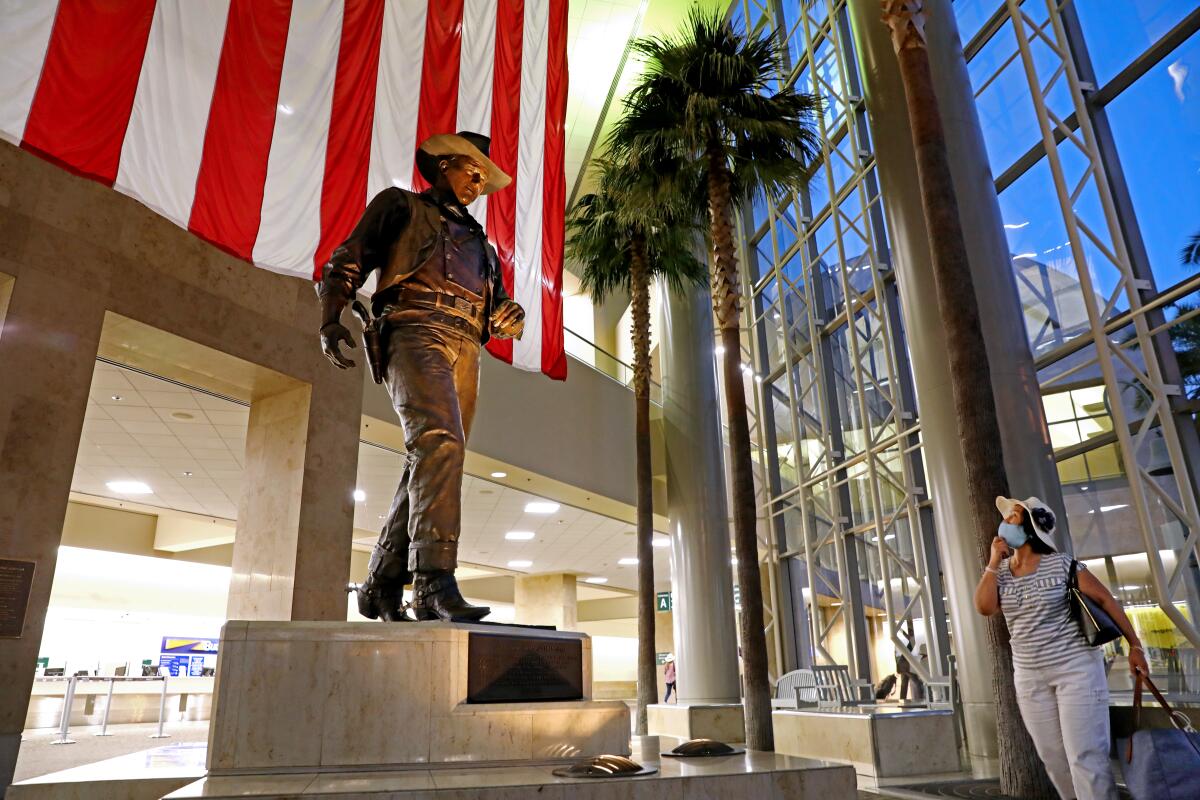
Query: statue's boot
[[436, 596], [381, 595], [381, 602]]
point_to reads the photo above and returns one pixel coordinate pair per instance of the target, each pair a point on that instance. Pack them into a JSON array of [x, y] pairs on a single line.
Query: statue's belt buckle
[[465, 306]]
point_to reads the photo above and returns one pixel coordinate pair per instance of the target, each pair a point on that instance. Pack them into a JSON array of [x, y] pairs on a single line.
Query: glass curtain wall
[[1091, 114], [837, 429]]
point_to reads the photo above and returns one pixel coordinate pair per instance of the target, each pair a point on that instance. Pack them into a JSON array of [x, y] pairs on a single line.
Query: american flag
[[265, 126]]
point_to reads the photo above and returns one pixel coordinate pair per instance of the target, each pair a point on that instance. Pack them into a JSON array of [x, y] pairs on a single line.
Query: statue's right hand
[[332, 335]]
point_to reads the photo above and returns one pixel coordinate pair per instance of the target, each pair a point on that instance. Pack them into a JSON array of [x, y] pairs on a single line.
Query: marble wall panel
[[915, 745], [378, 703], [281, 711], [576, 732]]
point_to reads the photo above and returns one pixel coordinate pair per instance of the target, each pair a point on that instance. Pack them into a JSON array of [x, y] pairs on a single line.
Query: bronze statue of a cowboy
[[439, 298]]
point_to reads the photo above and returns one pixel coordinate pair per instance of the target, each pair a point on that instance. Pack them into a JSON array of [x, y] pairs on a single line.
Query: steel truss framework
[[845, 523], [1126, 342]]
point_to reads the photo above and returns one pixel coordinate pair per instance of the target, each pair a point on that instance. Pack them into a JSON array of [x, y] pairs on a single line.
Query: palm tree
[[1021, 772], [1190, 254], [706, 98], [625, 234]]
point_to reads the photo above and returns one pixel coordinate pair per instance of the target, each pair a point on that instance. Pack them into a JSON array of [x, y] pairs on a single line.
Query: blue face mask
[[1013, 535]]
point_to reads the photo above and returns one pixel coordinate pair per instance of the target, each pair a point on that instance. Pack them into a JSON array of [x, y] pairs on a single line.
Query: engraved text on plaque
[[513, 669]]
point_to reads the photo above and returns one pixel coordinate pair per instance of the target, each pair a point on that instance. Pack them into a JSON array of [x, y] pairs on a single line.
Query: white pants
[[1065, 709]]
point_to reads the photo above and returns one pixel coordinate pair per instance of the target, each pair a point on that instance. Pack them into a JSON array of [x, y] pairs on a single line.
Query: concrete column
[[46, 374], [546, 600], [291, 552], [1028, 457], [701, 580]]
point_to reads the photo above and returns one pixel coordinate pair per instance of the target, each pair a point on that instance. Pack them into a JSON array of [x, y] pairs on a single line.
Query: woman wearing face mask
[[1061, 686]]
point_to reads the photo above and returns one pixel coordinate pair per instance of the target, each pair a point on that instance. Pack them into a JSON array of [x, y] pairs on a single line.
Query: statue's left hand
[[508, 320]]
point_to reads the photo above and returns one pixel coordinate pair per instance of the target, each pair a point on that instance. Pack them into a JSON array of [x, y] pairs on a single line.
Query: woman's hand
[[1000, 549], [1138, 663]]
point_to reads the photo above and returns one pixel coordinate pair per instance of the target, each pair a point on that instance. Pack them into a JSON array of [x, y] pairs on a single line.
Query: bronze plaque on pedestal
[[16, 581], [515, 669]]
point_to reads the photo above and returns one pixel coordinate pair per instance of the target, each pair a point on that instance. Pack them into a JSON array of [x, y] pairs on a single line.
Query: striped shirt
[[1038, 614]]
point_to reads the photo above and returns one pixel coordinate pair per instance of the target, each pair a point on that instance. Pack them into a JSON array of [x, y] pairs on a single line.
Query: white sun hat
[[1039, 513]]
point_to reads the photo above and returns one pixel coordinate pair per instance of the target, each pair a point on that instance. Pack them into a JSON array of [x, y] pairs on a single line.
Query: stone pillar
[[46, 373], [701, 578], [546, 600], [291, 552], [1028, 457]]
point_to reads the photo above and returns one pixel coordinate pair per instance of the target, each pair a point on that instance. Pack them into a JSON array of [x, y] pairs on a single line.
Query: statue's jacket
[[408, 237]]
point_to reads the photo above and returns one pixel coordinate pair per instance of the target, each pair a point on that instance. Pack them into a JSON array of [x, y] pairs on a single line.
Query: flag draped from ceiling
[[265, 126]]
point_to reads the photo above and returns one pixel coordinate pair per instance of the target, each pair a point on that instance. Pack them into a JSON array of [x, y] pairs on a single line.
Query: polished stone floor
[[752, 775], [39, 757], [762, 776]]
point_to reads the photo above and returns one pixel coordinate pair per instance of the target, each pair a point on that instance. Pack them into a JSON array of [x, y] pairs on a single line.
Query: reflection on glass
[[972, 14], [1047, 280], [1156, 124], [1118, 31]]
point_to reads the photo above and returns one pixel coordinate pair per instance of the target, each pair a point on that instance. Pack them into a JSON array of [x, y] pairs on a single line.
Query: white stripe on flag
[[527, 351], [291, 210], [160, 156], [397, 97], [25, 27], [476, 65]]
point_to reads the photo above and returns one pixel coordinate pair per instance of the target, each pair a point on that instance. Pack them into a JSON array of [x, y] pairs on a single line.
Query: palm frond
[[653, 205], [710, 83], [1190, 254]]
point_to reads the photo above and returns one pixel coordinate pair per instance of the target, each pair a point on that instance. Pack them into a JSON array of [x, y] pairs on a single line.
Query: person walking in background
[[1062, 690], [669, 677]]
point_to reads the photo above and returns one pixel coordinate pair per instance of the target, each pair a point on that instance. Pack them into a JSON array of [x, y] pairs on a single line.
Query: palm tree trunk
[[1021, 772], [647, 686], [726, 289]]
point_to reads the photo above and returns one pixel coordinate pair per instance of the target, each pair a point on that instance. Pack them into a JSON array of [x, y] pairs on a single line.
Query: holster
[[373, 348], [373, 342]]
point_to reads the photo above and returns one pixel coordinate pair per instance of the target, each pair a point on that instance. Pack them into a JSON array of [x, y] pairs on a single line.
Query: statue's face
[[464, 176]]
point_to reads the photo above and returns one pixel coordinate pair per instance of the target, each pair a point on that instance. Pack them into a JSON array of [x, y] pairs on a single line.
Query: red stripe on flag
[[241, 122], [348, 151], [506, 126], [439, 74], [85, 94], [554, 357]]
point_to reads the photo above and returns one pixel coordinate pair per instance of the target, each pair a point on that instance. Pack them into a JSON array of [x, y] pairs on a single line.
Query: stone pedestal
[[327, 696], [724, 722], [877, 742]]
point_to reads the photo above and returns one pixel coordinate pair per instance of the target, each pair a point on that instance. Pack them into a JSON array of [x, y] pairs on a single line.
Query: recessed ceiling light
[[499, 474], [129, 487], [359, 495], [182, 415], [519, 536], [117, 397], [628, 562], [520, 564], [541, 507], [187, 474], [595, 579], [660, 541]]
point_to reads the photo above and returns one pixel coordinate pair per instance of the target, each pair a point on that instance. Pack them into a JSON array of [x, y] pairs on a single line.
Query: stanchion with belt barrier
[[162, 712], [112, 682], [64, 724]]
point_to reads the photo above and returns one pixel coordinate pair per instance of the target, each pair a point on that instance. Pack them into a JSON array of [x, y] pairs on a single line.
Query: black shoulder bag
[[1097, 626]]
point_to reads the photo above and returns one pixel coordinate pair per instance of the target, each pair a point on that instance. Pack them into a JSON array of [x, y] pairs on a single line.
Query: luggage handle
[[1177, 717]]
